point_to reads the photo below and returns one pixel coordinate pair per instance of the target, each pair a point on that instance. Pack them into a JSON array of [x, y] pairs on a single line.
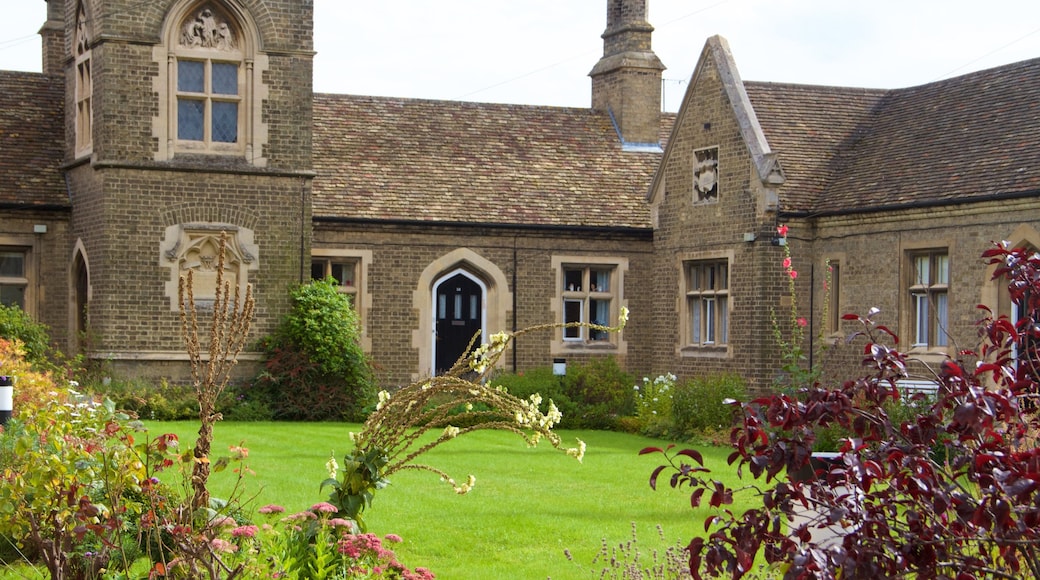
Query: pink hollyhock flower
[[787, 262], [794, 274], [782, 230], [802, 322]]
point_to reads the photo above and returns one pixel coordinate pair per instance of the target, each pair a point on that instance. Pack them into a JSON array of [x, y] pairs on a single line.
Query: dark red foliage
[[953, 492], [296, 390]]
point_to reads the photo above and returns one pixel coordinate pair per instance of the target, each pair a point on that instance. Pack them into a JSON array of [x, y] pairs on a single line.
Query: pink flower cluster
[[357, 545], [369, 548]]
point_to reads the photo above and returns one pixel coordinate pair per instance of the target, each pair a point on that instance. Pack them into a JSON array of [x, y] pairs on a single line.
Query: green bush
[[542, 381], [592, 395], [697, 404], [162, 402], [602, 392], [653, 400], [315, 369], [34, 336]]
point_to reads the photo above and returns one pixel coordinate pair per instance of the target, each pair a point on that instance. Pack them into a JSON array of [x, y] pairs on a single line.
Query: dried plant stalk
[[229, 327]]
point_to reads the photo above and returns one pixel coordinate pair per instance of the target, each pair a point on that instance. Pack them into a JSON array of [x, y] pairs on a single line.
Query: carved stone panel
[[208, 28], [196, 248], [706, 174]]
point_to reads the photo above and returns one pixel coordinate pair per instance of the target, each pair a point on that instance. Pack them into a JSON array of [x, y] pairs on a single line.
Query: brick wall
[[400, 254]]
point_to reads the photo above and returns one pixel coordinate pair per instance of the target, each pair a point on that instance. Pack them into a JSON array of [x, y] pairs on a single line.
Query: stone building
[[889, 198], [157, 126]]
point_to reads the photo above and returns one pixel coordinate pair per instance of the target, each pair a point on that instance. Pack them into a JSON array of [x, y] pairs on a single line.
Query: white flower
[[577, 452], [466, 487], [450, 432], [623, 317], [332, 466], [384, 398]]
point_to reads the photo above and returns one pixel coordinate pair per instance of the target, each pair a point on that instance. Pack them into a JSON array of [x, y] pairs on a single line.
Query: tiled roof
[[32, 137], [441, 161], [969, 137], [808, 127]]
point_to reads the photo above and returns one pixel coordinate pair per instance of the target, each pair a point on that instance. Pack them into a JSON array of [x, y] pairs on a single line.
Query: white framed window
[[14, 276], [588, 294], [928, 297], [707, 302], [208, 101]]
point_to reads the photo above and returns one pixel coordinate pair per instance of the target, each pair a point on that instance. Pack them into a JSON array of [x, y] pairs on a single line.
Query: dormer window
[[212, 89], [209, 83]]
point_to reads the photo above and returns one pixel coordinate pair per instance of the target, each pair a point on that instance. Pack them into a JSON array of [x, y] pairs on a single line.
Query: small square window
[[14, 280], [343, 271]]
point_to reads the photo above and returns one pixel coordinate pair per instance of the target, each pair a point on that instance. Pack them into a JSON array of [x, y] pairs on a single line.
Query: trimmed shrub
[[602, 391], [592, 395], [316, 369], [542, 381], [697, 404]]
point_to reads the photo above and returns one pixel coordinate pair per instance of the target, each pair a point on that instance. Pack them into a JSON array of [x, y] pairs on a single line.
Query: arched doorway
[[458, 300], [80, 294]]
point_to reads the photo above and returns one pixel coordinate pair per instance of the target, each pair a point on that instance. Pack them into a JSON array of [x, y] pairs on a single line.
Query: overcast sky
[[540, 52]]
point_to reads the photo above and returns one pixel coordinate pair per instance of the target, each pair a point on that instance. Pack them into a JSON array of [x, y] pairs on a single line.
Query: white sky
[[540, 52]]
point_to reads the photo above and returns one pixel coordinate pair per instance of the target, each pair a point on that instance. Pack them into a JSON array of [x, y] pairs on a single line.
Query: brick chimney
[[53, 36], [626, 82]]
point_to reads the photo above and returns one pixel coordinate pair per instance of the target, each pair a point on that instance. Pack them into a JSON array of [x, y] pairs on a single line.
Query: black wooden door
[[459, 306]]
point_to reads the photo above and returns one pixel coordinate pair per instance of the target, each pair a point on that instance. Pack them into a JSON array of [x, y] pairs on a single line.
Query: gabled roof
[[32, 139], [456, 162], [716, 55], [967, 138]]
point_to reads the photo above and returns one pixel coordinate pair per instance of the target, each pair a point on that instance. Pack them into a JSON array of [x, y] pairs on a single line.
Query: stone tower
[[626, 82], [185, 119]]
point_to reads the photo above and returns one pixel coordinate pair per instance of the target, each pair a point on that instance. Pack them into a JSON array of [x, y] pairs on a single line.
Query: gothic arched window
[[84, 84]]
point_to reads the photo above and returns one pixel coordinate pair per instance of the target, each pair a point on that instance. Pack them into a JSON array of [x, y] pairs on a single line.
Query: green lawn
[[529, 504]]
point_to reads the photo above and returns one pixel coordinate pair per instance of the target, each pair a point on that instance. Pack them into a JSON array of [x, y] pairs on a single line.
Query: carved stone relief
[[706, 174], [196, 248], [208, 29]]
